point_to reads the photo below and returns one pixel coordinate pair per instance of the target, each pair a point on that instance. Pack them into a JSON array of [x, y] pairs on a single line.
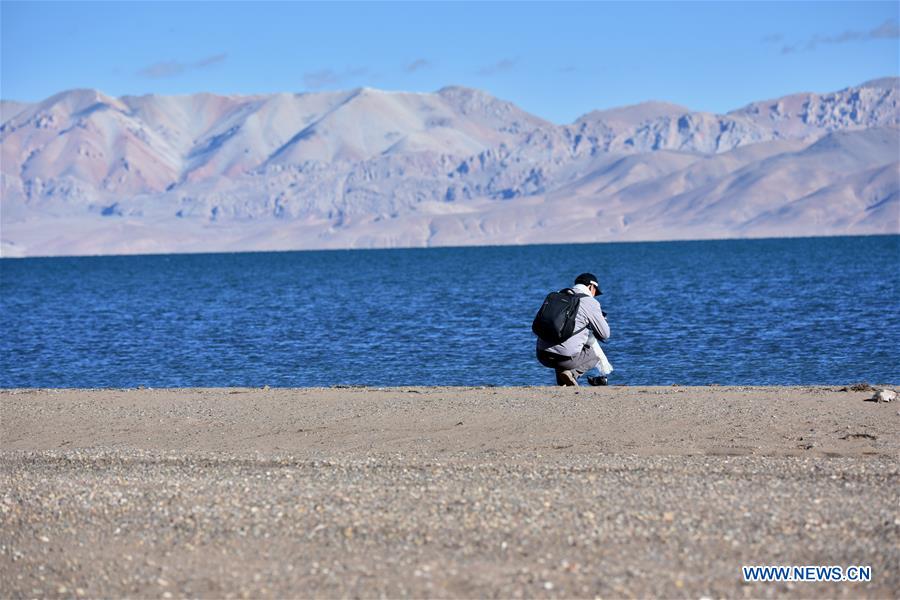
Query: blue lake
[[802, 311]]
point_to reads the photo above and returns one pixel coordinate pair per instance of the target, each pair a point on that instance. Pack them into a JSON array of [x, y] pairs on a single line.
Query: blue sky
[[556, 60]]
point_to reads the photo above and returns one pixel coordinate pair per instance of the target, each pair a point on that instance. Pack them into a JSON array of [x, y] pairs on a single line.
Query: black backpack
[[555, 321]]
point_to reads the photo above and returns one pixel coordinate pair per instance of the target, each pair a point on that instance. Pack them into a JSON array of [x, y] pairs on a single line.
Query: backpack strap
[[571, 292]]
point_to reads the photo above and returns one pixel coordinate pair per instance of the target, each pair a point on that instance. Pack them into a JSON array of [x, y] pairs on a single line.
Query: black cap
[[588, 279]]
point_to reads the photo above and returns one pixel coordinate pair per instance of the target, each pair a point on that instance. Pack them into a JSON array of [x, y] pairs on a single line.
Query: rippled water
[[733, 312]]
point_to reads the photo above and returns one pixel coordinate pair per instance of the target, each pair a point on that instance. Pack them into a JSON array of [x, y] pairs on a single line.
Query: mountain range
[[84, 173]]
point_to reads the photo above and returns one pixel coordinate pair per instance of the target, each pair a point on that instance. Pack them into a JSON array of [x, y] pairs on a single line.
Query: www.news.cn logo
[[808, 573]]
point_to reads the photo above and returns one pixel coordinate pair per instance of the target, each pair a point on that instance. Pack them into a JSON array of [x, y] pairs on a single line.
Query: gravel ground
[[98, 502]]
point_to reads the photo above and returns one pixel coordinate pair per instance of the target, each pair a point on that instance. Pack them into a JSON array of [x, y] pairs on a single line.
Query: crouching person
[[566, 325]]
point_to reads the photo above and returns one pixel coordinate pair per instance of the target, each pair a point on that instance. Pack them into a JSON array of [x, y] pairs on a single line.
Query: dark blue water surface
[[803, 311]]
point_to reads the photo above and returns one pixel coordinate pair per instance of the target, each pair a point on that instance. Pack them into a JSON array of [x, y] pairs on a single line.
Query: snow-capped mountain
[[85, 173]]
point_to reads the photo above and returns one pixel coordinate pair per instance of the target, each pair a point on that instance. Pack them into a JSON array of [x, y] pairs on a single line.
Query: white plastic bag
[[603, 367]]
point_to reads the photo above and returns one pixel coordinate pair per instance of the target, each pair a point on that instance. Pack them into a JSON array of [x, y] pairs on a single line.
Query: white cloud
[[174, 68]]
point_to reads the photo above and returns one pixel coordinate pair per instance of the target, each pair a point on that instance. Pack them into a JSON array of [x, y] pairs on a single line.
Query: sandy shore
[[464, 492]]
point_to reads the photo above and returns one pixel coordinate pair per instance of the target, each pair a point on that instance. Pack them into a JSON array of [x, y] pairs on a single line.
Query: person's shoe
[[599, 380], [566, 378]]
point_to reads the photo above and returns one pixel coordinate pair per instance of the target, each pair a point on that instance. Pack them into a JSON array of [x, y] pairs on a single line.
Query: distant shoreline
[[464, 246]]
